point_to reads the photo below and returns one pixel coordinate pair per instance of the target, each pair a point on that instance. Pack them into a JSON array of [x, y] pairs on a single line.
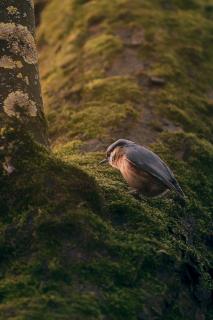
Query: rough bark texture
[[20, 94]]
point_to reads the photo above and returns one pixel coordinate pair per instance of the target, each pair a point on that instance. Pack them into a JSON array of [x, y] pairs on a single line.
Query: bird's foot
[[136, 194], [133, 192]]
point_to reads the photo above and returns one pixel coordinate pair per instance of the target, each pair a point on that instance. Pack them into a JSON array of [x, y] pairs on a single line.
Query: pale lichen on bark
[[17, 104], [12, 10], [20, 41], [7, 62], [24, 78], [19, 75], [21, 106]]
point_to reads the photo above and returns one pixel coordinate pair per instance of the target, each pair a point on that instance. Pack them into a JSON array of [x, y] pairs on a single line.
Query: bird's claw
[[134, 193]]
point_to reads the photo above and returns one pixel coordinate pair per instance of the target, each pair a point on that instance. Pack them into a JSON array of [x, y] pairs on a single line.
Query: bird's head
[[114, 148]]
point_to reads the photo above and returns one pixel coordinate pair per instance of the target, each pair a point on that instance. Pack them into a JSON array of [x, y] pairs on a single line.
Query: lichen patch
[[26, 79], [19, 75], [20, 41], [17, 104], [12, 10], [7, 62], [19, 64]]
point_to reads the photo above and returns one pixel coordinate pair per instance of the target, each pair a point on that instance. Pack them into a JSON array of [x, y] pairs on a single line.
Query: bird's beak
[[103, 161]]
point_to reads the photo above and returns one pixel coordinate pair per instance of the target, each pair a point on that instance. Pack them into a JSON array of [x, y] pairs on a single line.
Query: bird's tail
[[176, 187]]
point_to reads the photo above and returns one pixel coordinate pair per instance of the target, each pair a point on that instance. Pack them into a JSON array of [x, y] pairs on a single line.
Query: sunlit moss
[[103, 44], [114, 89], [175, 47], [112, 115]]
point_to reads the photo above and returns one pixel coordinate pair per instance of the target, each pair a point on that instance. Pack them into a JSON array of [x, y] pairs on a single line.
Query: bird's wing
[[148, 161]]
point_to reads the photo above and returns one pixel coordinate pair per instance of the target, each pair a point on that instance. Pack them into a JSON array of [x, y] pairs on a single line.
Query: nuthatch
[[142, 169]]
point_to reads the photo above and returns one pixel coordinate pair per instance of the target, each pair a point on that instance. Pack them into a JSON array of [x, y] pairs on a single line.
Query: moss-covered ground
[[74, 243]]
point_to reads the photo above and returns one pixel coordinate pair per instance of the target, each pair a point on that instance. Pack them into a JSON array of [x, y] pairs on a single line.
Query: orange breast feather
[[132, 176]]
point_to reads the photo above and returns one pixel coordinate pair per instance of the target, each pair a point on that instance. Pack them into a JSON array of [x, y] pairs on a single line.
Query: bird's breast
[[139, 179], [130, 173]]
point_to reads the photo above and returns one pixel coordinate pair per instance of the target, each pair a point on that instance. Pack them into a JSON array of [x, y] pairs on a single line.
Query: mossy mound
[[74, 252], [43, 206]]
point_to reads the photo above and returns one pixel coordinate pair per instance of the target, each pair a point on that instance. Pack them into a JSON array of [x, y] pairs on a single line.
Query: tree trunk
[[21, 105]]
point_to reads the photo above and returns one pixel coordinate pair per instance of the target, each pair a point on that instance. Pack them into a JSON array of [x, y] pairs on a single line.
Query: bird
[[144, 171]]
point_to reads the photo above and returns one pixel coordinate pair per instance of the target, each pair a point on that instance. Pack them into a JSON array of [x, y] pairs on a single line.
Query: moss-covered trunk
[[21, 104], [133, 69]]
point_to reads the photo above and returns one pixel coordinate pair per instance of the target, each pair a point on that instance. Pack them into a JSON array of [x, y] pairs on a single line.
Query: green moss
[[148, 236], [104, 45], [113, 89], [74, 244], [39, 215], [82, 122], [175, 47], [53, 33]]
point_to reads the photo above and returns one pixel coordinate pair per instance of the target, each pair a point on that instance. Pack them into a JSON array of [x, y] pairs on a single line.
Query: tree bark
[[21, 103]]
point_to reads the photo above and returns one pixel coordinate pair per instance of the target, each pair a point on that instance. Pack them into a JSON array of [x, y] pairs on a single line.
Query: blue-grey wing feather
[[146, 160]]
